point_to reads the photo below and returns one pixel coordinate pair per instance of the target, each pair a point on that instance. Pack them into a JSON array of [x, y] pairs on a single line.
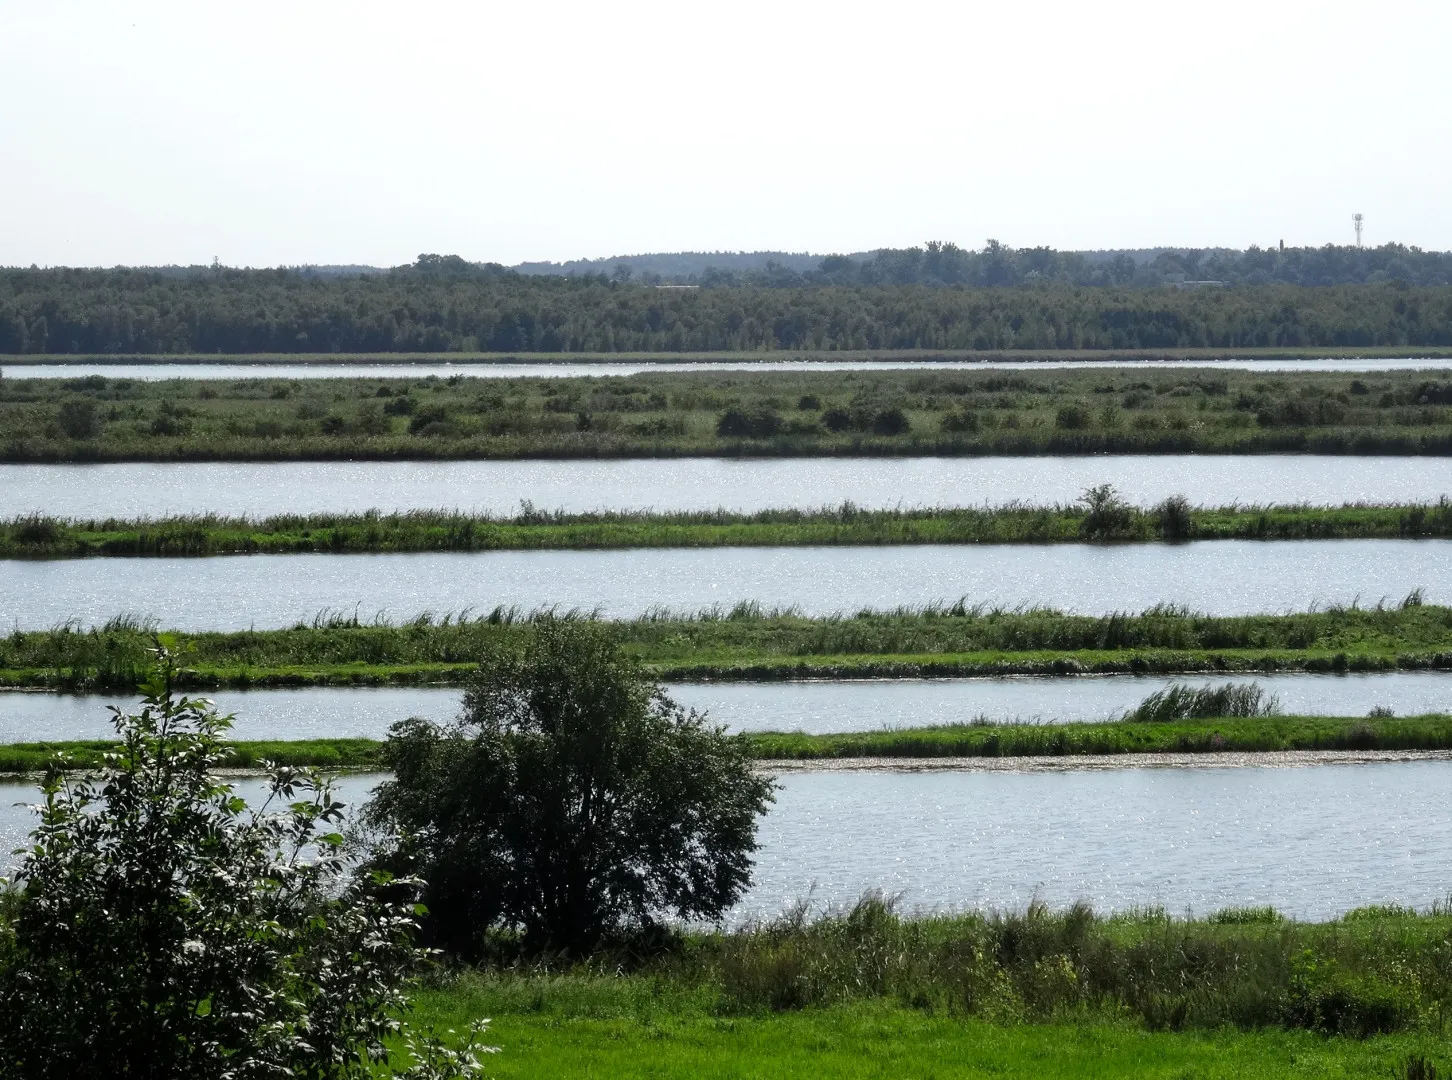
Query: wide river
[[1227, 577], [564, 369], [1315, 842], [816, 707], [145, 489]]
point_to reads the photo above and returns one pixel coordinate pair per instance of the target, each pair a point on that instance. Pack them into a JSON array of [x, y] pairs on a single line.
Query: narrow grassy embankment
[[21, 758], [847, 524], [1208, 736], [1239, 734], [747, 644]]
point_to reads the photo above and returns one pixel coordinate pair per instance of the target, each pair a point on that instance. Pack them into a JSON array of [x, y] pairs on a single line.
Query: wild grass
[[748, 644], [785, 413], [1180, 702], [1107, 519], [866, 992]]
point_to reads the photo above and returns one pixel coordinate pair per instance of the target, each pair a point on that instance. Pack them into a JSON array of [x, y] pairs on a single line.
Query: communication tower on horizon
[[1356, 220]]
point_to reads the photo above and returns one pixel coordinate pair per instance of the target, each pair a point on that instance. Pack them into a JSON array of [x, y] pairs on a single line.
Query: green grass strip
[[1236, 735], [847, 524], [88, 754]]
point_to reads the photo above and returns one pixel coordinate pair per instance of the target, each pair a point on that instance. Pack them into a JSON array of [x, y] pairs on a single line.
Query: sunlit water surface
[[257, 489], [1314, 842], [266, 591], [321, 369]]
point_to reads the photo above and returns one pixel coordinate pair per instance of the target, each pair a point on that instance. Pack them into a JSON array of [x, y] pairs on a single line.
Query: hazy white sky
[[267, 133]]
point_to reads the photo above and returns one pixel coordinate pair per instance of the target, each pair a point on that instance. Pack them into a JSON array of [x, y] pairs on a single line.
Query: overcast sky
[[307, 132]]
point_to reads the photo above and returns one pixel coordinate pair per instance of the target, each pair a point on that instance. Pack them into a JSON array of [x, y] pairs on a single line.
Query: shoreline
[[1279, 759]]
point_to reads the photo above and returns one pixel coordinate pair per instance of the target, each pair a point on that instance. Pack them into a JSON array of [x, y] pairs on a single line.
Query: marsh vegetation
[[746, 643], [1101, 516], [711, 413]]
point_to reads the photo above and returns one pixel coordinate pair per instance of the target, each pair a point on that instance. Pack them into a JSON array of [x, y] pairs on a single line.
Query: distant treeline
[[444, 304], [997, 265]]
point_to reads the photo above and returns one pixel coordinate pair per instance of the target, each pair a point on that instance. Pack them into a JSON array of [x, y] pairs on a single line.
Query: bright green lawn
[[597, 1036]]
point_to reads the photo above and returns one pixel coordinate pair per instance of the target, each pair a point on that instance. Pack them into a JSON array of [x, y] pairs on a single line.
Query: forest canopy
[[936, 297]]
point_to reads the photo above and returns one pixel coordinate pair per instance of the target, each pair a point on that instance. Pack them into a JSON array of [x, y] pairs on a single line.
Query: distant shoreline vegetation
[[747, 644], [1102, 517], [933, 298], [792, 413]]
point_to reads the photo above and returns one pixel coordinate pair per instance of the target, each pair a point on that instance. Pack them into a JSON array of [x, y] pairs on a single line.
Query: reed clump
[[1181, 702]]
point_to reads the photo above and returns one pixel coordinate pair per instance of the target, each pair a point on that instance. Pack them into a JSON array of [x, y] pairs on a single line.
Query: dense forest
[[999, 265], [442, 304]]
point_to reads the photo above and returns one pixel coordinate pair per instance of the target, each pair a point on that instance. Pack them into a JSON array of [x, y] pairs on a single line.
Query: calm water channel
[[324, 370], [251, 488], [806, 706], [1315, 841], [262, 591]]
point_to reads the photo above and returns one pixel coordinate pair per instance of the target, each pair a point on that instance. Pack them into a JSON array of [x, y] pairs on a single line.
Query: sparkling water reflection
[[149, 489], [1314, 842], [1213, 577], [322, 369]]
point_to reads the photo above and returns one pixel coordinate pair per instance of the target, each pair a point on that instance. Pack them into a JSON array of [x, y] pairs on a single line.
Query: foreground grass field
[[1111, 520], [1209, 736], [866, 993], [782, 413], [887, 1042], [600, 1039], [746, 644]]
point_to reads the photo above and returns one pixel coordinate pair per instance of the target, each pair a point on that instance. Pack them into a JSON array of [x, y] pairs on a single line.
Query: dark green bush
[[737, 423], [1174, 519], [78, 419], [1072, 418], [164, 930], [890, 422]]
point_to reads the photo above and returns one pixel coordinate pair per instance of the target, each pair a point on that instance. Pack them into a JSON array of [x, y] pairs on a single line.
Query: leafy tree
[[161, 929], [572, 800]]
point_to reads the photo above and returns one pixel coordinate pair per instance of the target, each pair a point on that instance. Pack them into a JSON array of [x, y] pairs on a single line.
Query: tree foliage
[[938, 297], [572, 800], [162, 929]]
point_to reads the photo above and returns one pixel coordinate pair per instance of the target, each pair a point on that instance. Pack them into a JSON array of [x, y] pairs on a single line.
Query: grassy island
[[420, 531], [748, 644], [781, 413]]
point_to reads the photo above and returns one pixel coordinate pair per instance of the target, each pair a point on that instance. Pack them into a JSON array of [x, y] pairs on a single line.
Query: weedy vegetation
[[727, 413], [1101, 516]]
